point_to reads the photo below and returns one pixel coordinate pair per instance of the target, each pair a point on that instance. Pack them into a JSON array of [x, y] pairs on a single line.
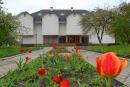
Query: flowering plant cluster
[[64, 71], [76, 50], [22, 62], [60, 79]]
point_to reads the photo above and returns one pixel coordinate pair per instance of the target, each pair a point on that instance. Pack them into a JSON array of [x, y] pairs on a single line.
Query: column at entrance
[[66, 39], [80, 39]]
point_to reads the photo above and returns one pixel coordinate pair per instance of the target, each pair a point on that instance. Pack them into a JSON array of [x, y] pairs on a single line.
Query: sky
[[17, 6]]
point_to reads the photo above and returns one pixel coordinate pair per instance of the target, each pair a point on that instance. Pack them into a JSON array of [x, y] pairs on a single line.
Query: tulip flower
[[65, 83], [21, 50], [41, 72], [57, 79], [54, 45], [28, 58], [29, 51], [67, 56], [109, 65], [76, 49]]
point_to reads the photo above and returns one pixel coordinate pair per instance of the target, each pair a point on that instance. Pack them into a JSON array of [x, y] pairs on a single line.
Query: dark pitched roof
[[25, 12], [62, 14]]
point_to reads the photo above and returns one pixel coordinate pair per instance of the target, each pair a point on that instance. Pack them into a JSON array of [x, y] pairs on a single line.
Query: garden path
[[7, 64], [90, 56]]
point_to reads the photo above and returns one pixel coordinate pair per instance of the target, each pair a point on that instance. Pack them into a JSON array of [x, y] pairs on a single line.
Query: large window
[[62, 20], [50, 39], [62, 39], [73, 39], [85, 39]]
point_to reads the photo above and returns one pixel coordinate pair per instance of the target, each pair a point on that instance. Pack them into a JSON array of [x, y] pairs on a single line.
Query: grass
[[10, 51], [121, 50]]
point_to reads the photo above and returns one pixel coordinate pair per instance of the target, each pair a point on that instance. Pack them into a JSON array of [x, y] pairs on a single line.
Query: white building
[[55, 26]]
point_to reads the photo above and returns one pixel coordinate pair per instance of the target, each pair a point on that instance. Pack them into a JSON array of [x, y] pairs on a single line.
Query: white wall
[[50, 25], [28, 40], [73, 26], [38, 32], [106, 39], [62, 29], [26, 24]]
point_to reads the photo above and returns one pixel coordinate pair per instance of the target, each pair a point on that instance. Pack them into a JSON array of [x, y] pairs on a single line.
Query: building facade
[[56, 26]]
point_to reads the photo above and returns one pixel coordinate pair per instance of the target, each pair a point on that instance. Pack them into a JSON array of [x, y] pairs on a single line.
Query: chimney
[[72, 9], [51, 8]]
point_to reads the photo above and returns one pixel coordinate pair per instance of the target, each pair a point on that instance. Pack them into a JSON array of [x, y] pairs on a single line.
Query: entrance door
[[62, 39], [73, 39], [85, 40]]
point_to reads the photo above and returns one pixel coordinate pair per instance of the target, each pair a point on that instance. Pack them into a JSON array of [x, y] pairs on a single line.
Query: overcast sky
[[17, 6]]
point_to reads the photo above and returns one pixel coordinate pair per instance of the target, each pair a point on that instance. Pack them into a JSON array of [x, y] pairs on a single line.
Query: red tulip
[[109, 65], [54, 45], [29, 51], [28, 58], [41, 72], [76, 49], [57, 79], [67, 56], [21, 50], [65, 83]]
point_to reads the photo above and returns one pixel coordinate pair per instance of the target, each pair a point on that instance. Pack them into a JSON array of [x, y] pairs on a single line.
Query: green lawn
[[121, 50], [9, 51]]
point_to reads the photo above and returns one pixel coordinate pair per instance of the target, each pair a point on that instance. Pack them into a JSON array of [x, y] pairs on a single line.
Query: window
[[62, 14], [24, 14], [83, 14], [39, 14]]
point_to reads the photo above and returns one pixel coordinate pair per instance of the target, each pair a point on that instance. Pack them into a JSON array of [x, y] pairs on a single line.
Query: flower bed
[[55, 71]]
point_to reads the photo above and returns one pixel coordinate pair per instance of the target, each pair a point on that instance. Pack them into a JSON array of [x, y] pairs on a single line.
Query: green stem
[[108, 82]]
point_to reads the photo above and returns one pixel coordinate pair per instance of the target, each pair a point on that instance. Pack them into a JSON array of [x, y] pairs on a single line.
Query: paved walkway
[[124, 77], [7, 64]]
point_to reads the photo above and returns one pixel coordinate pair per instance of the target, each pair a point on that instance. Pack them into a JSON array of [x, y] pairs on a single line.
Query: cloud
[[17, 6]]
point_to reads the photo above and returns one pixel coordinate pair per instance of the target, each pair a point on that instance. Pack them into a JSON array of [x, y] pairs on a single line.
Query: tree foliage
[[96, 22], [120, 26], [8, 25]]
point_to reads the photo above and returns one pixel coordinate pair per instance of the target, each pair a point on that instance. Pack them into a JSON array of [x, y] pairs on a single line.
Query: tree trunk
[[103, 29], [99, 39]]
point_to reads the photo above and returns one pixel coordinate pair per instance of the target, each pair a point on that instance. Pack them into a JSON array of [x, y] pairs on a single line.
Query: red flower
[[21, 50], [54, 45], [109, 65], [29, 51], [28, 58], [57, 79], [67, 56], [76, 49], [42, 71], [65, 83]]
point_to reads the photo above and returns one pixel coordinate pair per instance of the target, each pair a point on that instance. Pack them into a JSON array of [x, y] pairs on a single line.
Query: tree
[[96, 22], [8, 26], [120, 26]]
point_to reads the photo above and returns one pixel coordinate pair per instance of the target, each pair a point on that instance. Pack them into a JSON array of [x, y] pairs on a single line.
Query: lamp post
[[36, 39]]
